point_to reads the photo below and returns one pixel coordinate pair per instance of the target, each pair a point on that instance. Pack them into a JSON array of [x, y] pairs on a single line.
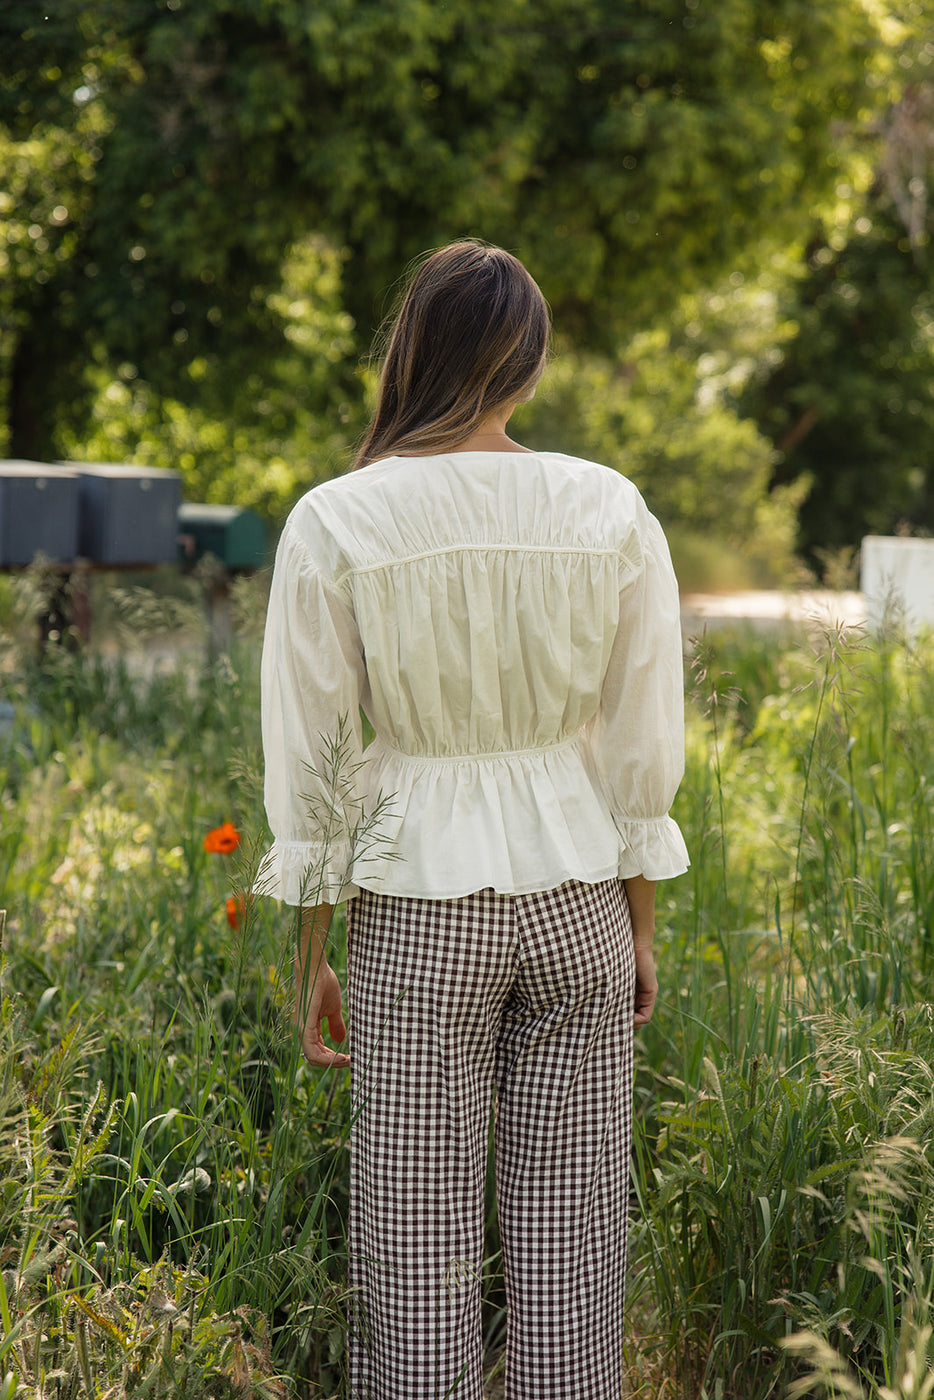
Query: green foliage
[[289, 427], [171, 155], [848, 403], [204, 205], [851, 404], [704, 471]]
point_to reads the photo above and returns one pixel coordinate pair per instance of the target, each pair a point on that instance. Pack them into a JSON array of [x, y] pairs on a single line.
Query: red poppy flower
[[222, 840]]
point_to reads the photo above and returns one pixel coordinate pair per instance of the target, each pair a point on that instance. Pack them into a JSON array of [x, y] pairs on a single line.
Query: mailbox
[[38, 513], [126, 515], [236, 537]]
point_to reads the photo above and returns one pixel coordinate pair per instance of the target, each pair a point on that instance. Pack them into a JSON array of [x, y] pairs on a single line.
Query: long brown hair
[[470, 336]]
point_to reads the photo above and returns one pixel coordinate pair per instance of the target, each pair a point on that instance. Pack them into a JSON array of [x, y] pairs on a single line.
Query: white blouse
[[509, 625]]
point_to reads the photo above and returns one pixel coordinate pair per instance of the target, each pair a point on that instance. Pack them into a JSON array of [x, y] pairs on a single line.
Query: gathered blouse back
[[509, 625]]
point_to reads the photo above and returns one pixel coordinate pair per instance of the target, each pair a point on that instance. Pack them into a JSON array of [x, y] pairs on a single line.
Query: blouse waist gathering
[[490, 756]]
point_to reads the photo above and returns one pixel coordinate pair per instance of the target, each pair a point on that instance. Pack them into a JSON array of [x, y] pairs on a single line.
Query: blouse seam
[[631, 565], [329, 585], [292, 530], [496, 548]]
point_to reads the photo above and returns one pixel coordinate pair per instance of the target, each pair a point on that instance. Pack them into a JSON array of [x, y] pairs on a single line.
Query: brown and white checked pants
[[533, 994]]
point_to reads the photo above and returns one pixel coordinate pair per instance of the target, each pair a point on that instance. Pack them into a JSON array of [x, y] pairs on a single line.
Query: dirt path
[[817, 610]]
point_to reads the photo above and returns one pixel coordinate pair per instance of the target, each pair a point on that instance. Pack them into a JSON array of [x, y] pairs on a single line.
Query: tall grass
[[784, 1160], [172, 1218], [173, 1179]]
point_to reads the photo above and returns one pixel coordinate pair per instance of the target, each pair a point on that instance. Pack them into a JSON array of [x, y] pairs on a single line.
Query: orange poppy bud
[[222, 840], [236, 908]]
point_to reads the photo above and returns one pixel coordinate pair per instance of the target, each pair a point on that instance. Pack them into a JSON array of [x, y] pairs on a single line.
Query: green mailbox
[[236, 537]]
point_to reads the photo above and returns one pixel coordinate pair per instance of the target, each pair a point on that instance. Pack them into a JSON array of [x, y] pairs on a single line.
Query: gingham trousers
[[533, 994]]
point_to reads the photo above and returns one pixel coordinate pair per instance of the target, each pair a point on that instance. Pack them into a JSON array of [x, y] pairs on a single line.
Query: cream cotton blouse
[[509, 624]]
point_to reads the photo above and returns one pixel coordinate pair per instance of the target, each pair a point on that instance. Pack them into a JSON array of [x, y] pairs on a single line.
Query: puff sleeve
[[313, 678], [639, 728]]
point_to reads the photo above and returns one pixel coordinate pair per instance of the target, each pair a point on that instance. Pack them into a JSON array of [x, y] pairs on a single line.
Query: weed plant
[[173, 1183]]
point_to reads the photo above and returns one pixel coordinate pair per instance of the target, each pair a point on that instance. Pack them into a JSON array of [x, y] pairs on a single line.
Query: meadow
[[173, 1178]]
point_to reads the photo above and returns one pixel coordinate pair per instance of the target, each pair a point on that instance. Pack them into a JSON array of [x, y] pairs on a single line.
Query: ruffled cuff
[[653, 847], [306, 872]]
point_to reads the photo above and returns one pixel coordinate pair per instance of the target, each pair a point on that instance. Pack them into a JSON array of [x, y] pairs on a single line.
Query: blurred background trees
[[205, 208]]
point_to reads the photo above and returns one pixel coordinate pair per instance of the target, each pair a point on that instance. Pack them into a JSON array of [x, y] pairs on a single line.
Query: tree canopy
[[207, 202], [851, 403]]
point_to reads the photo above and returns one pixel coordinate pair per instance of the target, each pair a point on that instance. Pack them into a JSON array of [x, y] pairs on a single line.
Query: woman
[[508, 621]]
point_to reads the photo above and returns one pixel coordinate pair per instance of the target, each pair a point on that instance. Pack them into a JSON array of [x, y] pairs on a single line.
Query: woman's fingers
[[317, 1053]]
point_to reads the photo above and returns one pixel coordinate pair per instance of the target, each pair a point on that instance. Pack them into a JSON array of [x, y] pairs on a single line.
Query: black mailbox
[[236, 537], [127, 515], [38, 513]]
